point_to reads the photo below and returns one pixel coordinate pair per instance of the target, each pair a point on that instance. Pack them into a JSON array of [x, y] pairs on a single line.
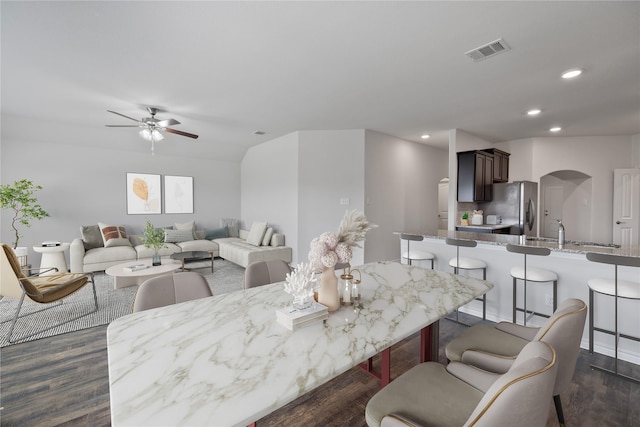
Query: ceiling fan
[[151, 126]]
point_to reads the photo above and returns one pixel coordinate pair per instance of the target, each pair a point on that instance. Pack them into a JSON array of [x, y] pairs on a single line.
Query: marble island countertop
[[486, 226], [570, 246]]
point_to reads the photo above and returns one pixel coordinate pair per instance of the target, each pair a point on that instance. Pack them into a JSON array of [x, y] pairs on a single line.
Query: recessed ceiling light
[[534, 112], [259, 132], [569, 74], [425, 136], [555, 129]]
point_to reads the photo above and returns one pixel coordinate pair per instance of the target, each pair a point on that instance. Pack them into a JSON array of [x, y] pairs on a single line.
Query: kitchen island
[[571, 266]]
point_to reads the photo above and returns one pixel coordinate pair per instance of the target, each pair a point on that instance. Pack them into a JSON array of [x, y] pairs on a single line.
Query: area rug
[[112, 303]]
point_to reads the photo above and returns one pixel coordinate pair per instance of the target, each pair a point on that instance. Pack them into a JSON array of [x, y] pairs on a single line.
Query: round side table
[[53, 256]]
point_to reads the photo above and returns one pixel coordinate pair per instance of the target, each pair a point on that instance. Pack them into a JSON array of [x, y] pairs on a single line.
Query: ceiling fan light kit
[[152, 127]]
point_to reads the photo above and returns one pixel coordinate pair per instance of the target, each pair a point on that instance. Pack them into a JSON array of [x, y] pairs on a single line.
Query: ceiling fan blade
[[126, 117], [179, 132], [167, 122], [122, 126]]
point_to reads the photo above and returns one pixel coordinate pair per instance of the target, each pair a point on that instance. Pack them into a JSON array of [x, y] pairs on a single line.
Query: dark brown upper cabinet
[[475, 176]]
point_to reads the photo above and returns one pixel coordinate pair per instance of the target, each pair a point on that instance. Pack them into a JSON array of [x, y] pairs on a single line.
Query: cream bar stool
[[415, 255], [531, 274], [617, 289], [464, 263]]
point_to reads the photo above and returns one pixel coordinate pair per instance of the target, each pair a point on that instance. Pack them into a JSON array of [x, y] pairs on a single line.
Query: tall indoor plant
[[19, 198], [153, 238]]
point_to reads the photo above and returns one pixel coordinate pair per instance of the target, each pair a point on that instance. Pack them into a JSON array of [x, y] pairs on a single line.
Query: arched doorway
[[566, 195]]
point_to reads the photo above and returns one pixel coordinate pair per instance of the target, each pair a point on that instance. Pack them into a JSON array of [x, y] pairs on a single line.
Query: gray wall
[[269, 189], [84, 185], [401, 187], [393, 181], [296, 183]]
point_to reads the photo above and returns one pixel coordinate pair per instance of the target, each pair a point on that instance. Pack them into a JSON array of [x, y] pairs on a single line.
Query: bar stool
[[415, 255], [531, 274], [464, 263], [617, 289]]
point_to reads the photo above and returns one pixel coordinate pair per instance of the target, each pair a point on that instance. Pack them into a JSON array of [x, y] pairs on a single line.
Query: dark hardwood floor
[[64, 381]]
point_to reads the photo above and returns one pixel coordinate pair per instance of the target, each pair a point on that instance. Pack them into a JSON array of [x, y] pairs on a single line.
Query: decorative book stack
[[293, 318], [136, 267]]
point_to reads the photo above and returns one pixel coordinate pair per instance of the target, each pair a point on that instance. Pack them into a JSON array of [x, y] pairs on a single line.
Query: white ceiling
[[226, 69]]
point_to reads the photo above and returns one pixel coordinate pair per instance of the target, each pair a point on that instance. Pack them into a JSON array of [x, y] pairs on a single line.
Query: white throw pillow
[[113, 235], [267, 237], [257, 233]]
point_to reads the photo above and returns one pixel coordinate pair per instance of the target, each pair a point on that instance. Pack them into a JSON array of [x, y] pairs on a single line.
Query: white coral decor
[[300, 283], [329, 249]]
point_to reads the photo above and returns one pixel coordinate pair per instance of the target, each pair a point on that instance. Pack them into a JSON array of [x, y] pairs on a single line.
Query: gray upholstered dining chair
[[494, 347], [431, 394], [264, 272], [171, 289]]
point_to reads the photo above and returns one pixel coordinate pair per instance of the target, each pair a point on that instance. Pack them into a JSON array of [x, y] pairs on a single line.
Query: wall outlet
[[548, 300], [345, 201]]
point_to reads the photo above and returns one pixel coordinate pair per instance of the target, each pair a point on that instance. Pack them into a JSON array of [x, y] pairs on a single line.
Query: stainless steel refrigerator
[[516, 203]]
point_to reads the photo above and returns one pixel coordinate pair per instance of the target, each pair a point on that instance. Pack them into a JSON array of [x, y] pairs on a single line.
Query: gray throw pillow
[[217, 233], [233, 226], [191, 225], [177, 236], [91, 237]]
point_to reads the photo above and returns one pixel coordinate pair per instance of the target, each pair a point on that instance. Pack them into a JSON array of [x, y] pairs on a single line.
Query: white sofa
[[234, 249]]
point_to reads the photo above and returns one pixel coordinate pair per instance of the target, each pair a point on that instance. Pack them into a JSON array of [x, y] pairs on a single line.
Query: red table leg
[[429, 342], [385, 367]]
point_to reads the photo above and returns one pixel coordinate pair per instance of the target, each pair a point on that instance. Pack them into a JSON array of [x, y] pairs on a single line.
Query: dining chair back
[[171, 289]]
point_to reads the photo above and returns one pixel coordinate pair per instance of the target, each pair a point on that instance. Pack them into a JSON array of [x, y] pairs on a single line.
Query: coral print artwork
[[143, 194]]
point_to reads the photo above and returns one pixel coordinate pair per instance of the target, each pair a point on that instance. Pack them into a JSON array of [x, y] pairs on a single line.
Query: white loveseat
[[234, 249]]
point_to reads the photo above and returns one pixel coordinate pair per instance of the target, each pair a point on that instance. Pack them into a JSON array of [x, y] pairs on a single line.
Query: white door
[[553, 200], [626, 206], [443, 204]]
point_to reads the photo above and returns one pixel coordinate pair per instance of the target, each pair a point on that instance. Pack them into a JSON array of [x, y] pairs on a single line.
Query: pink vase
[[328, 294]]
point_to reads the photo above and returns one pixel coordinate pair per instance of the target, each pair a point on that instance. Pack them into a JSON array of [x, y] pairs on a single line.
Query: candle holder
[[349, 287]]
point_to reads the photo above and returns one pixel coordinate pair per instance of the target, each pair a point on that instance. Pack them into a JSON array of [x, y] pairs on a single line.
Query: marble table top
[[226, 361]]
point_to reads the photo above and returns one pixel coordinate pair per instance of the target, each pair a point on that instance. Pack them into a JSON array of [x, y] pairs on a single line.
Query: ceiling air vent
[[487, 50]]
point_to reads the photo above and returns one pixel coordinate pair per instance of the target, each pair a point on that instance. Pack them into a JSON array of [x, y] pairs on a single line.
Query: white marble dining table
[[226, 361]]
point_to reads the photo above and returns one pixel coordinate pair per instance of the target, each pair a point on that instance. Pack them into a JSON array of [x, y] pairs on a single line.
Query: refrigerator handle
[[531, 214]]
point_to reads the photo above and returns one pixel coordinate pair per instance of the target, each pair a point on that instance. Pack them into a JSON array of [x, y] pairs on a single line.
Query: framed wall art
[[178, 194], [144, 195]]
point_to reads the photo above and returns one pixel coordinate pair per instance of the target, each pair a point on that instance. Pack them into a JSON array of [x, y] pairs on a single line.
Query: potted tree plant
[[154, 238], [19, 198]]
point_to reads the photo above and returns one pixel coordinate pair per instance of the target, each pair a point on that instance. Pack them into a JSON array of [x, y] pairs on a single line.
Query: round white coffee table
[[123, 277], [53, 256]]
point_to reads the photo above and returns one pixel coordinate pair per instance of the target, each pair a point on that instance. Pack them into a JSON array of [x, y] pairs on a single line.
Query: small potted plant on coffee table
[[153, 238]]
